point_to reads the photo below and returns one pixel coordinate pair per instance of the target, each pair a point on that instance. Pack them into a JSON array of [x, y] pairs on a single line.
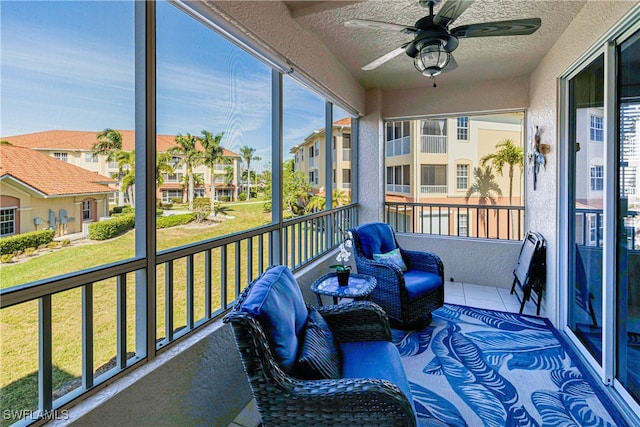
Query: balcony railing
[[194, 285], [476, 221], [399, 146], [433, 189], [346, 154], [434, 144]]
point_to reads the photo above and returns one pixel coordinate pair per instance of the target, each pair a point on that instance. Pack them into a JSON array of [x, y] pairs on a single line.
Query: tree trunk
[[190, 190]]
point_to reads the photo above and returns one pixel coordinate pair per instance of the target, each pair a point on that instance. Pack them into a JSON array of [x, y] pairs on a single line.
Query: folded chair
[[410, 284], [530, 273], [322, 366]]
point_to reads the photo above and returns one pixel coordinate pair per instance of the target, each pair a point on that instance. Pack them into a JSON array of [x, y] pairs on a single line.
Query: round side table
[[359, 286]]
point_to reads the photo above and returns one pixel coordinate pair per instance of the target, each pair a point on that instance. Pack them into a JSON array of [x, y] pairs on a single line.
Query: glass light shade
[[431, 59]]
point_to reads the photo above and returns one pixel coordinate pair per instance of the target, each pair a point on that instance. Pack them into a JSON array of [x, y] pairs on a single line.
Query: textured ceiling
[[478, 59]]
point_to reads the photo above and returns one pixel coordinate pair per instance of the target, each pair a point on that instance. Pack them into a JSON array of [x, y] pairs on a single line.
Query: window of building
[[463, 128], [462, 177], [7, 221], [346, 141], [86, 210], [398, 179], [596, 129], [90, 158], [346, 176], [398, 138], [433, 175], [61, 156], [463, 224], [112, 165], [173, 177], [168, 195], [317, 149], [597, 178]]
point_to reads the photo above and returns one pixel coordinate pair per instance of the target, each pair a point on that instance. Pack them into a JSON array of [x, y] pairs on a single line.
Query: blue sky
[[70, 65]]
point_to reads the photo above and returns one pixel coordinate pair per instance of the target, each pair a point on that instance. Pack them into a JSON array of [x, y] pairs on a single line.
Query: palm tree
[[213, 155], [484, 187], [318, 203], [508, 154], [127, 170], [109, 143], [248, 155], [190, 157], [163, 165]]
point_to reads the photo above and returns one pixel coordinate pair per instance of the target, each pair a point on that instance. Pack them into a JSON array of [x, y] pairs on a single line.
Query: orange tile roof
[[85, 140], [343, 122], [47, 175]]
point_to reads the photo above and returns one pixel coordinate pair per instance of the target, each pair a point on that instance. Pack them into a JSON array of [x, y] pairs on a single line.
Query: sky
[[69, 65]]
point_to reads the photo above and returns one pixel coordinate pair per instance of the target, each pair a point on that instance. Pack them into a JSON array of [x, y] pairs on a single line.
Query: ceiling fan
[[433, 41]]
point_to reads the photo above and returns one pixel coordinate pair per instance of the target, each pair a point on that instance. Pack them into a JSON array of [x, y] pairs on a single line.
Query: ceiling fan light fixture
[[431, 59]]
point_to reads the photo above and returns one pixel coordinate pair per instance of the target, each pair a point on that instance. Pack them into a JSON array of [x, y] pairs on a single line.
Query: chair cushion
[[419, 283], [319, 356], [375, 238], [374, 359], [393, 256], [276, 301]]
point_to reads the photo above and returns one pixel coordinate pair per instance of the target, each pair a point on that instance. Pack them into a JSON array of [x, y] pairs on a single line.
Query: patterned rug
[[476, 367]]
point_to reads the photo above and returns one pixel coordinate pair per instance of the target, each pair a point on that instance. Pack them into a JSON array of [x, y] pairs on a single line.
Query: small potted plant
[[343, 270]]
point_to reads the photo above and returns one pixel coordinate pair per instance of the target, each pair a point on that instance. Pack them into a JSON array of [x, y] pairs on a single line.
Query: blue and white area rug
[[476, 367]]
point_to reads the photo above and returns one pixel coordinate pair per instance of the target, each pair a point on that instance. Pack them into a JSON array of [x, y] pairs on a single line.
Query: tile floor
[[454, 293]]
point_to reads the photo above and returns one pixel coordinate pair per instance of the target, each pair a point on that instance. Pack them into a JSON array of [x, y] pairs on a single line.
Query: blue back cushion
[[276, 301], [375, 238]]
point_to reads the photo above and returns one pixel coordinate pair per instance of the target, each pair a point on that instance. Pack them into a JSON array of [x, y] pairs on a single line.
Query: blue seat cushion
[[375, 238], [276, 302], [374, 359], [420, 283]]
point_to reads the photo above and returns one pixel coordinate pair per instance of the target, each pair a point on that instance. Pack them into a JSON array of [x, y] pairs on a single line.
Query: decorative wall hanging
[[537, 155]]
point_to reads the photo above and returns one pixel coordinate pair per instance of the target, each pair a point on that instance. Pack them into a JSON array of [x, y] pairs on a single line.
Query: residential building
[[38, 192], [432, 160], [75, 147], [310, 158]]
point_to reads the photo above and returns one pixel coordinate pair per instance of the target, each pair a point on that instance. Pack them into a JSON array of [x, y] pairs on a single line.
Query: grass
[[19, 324]]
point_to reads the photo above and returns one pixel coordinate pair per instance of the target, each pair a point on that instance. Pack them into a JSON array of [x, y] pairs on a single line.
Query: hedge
[[104, 230], [173, 220], [19, 242]]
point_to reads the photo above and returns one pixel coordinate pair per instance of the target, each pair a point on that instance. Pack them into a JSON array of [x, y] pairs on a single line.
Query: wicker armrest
[[348, 401], [425, 261], [357, 321]]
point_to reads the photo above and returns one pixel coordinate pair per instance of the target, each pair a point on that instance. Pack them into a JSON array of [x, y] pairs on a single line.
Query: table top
[[360, 285]]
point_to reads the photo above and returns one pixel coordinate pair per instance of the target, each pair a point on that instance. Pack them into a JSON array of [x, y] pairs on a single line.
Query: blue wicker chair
[[408, 297], [269, 322]]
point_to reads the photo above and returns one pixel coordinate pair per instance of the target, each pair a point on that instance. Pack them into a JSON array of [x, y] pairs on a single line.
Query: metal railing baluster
[[189, 289], [168, 301], [121, 322], [87, 336], [45, 351]]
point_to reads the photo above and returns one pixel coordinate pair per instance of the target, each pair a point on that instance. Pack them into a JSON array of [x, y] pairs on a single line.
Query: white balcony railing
[[435, 144], [433, 189], [346, 154]]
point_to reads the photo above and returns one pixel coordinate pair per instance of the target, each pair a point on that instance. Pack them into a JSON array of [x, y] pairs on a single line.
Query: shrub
[[116, 210], [104, 230], [266, 207], [6, 258], [225, 198], [201, 202], [176, 200], [29, 251], [53, 245], [167, 206], [19, 242], [242, 196], [173, 220], [128, 210], [65, 242]]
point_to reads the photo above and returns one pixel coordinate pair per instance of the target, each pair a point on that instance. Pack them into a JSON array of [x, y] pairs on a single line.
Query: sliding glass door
[[601, 243], [628, 221], [586, 191]]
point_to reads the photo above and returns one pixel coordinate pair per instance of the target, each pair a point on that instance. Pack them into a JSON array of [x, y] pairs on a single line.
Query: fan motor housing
[[449, 42]]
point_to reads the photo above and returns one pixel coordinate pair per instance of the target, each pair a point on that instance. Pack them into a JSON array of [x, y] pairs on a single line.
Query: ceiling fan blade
[[517, 27], [377, 25], [450, 11], [384, 58]]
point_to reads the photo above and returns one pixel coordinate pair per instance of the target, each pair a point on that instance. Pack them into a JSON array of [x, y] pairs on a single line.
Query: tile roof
[[47, 175], [343, 122], [84, 141]]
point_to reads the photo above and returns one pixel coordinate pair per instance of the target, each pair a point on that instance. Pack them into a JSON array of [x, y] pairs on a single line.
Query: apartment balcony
[[433, 189], [433, 144], [196, 372]]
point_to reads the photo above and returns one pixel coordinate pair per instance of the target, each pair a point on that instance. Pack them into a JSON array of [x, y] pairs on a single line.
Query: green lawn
[[19, 324]]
